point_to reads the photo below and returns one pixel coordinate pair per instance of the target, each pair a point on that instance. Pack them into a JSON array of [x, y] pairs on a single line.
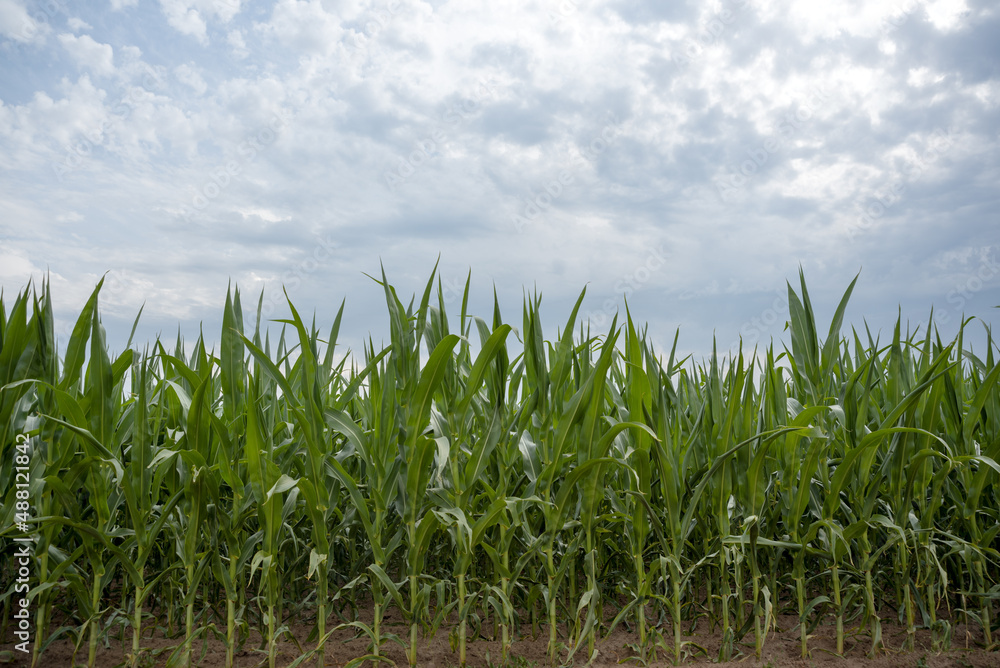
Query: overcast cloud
[[687, 156]]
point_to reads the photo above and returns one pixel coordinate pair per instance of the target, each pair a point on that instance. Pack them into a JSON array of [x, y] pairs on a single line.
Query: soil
[[781, 648]]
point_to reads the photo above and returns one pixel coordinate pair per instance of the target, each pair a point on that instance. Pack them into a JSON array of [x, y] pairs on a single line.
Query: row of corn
[[487, 482]]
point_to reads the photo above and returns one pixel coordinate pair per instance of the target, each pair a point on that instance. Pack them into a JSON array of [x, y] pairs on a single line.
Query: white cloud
[[263, 214], [119, 4], [919, 77], [70, 217], [865, 18], [17, 24], [189, 16], [188, 74], [223, 10], [184, 18], [305, 25], [988, 93], [358, 108], [76, 24], [89, 54], [40, 131], [945, 15], [237, 44], [15, 265], [812, 21]]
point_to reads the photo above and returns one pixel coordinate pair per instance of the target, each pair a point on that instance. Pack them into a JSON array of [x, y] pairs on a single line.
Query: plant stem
[[462, 622], [801, 593], [189, 617], [839, 609], [413, 618], [95, 623], [136, 626]]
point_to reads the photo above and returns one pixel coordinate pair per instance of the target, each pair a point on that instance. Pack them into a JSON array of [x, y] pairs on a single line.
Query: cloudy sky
[[686, 156]]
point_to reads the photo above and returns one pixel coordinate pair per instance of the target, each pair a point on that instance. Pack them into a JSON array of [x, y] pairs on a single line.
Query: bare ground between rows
[[781, 648]]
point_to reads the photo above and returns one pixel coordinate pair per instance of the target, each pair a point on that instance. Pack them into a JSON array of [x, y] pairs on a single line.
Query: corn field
[[487, 482]]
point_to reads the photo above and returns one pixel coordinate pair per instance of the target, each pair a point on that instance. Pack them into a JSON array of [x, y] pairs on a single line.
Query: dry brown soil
[[781, 649]]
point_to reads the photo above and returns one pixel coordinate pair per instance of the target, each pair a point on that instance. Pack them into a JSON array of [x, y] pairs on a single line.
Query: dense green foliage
[[499, 488]]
